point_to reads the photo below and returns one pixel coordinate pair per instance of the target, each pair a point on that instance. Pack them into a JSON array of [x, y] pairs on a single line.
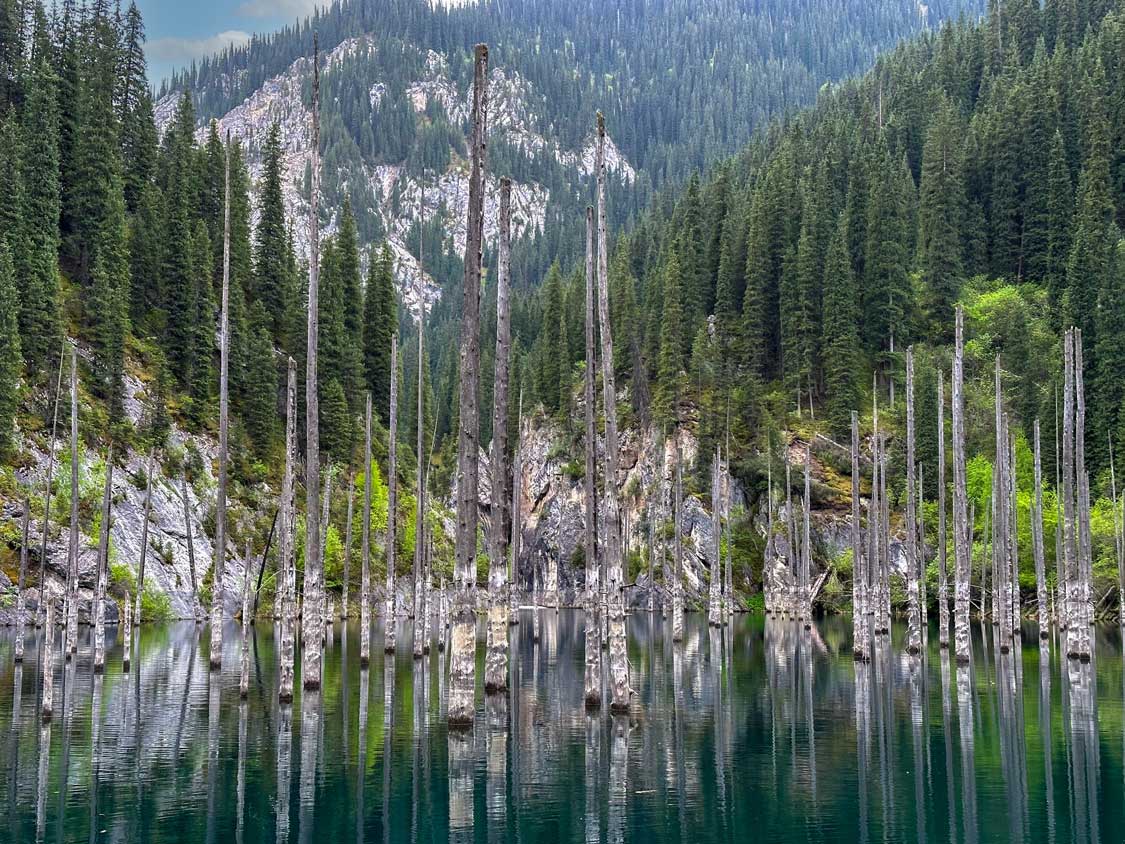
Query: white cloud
[[185, 49], [279, 8]]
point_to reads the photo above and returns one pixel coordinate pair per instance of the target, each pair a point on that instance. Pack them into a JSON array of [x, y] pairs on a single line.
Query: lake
[[761, 731]]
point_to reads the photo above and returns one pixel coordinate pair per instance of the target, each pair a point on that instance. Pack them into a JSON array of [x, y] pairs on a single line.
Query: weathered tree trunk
[[805, 609], [860, 621], [103, 564], [47, 489], [365, 570], [190, 544], [220, 556], [725, 493], [420, 479], [516, 535], [1082, 479], [943, 577], [286, 591], [1037, 549], [26, 521], [914, 620], [593, 672], [462, 667], [389, 642], [1070, 564], [962, 537], [71, 645], [714, 605], [347, 549], [769, 592], [791, 539], [1117, 551], [47, 663], [885, 539], [678, 546], [126, 632], [144, 534], [496, 667], [326, 608], [312, 627], [244, 665]]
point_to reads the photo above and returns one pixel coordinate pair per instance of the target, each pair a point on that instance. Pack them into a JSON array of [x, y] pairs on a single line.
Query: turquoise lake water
[[759, 732]]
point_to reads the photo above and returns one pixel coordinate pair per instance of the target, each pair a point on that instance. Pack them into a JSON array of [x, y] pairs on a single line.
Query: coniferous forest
[[739, 329]]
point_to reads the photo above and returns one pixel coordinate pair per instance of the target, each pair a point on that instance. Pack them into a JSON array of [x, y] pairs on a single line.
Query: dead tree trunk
[[1117, 537], [312, 626], [286, 592], [714, 605], [914, 620], [1037, 543], [943, 577], [244, 665], [144, 534], [220, 555], [103, 565], [365, 570], [805, 609], [1070, 622], [593, 673], [496, 668], [962, 538], [389, 642], [1082, 479], [348, 549], [190, 543], [72, 562], [462, 667], [18, 646], [516, 535], [859, 574], [678, 545], [126, 632], [47, 489], [47, 664]]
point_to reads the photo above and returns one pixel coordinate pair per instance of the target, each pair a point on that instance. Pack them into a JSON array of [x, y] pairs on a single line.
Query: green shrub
[[156, 606]]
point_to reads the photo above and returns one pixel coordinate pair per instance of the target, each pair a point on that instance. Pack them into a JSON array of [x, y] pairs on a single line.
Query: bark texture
[[103, 565], [365, 570], [914, 609], [962, 536], [593, 671], [285, 551]]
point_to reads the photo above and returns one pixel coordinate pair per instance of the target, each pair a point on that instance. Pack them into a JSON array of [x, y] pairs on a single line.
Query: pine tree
[[885, 287], [259, 401], [10, 355], [107, 313], [1060, 214], [670, 361], [379, 323], [841, 340], [551, 346], [1106, 390], [274, 284], [134, 111], [337, 430], [940, 214]]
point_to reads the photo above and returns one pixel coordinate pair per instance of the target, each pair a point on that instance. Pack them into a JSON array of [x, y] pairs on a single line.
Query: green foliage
[[10, 356]]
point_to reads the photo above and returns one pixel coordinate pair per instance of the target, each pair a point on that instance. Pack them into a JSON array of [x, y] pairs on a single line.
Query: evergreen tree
[[551, 370], [107, 312], [1060, 213], [274, 284], [259, 402], [1107, 393], [134, 110], [941, 209], [840, 339], [10, 356], [379, 320], [670, 361], [337, 434]]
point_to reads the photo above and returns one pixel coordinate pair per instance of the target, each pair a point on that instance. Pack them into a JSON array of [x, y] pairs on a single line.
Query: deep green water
[[762, 732]]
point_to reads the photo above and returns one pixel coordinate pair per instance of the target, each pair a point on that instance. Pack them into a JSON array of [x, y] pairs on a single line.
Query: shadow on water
[[759, 729]]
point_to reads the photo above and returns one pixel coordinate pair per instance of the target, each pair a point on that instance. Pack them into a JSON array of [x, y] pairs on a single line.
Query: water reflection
[[760, 729]]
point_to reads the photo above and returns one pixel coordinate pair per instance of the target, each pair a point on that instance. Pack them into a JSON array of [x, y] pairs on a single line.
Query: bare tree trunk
[[769, 592], [312, 625], [144, 534], [1085, 554], [365, 572], [496, 668], [791, 539], [244, 665], [18, 645], [462, 667], [348, 549], [714, 606], [103, 565], [805, 610], [962, 536], [326, 608], [1070, 563], [914, 625], [392, 512], [726, 497], [190, 544], [72, 563], [1037, 544], [126, 632], [286, 591], [860, 621], [943, 577], [593, 672], [516, 535], [678, 545], [47, 664], [47, 488], [220, 555], [1117, 537]]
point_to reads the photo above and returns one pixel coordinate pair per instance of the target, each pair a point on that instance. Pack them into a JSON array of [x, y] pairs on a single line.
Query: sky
[[181, 30]]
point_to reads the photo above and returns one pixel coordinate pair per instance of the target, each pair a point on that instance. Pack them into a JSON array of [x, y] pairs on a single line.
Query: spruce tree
[[1107, 391], [107, 312], [134, 110], [274, 283], [10, 355], [670, 360], [259, 401], [841, 339], [1060, 214], [940, 215], [379, 323]]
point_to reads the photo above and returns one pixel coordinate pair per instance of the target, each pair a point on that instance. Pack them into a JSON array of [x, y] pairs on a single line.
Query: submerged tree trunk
[[103, 565], [348, 549], [462, 667], [943, 577], [219, 559], [126, 632], [47, 664], [144, 534], [190, 544], [678, 546], [25, 527], [914, 621], [365, 571], [860, 620], [516, 535], [71, 645], [714, 605], [1037, 550], [593, 672], [962, 536], [312, 627], [496, 668], [389, 642], [47, 489], [1070, 564], [244, 665], [804, 611], [286, 592], [1085, 608]]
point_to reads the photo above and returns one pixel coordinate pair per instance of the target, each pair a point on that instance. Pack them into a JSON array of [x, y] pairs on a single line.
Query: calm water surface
[[760, 732]]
